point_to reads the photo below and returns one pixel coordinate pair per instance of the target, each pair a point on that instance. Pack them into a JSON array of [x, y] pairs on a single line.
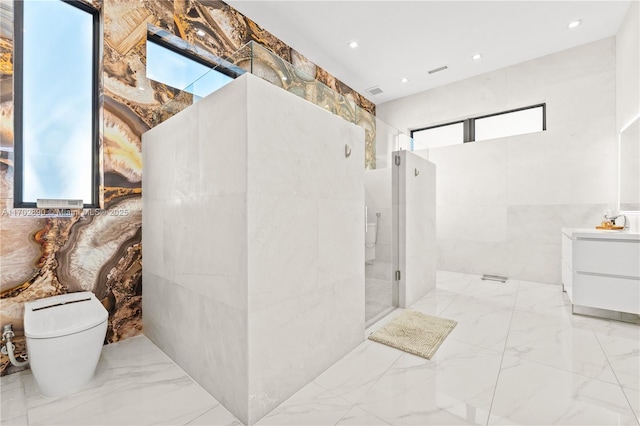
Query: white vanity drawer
[[610, 257], [615, 294]]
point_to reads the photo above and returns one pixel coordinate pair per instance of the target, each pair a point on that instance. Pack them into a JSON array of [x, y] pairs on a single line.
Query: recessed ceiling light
[[284, 78], [477, 56], [200, 33], [575, 23], [353, 44], [404, 80]]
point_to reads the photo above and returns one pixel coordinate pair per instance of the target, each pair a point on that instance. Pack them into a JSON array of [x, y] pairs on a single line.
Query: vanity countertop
[[600, 233]]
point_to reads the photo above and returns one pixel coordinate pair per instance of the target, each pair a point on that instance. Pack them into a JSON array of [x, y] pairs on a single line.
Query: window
[[508, 123], [433, 137], [168, 65], [56, 102]]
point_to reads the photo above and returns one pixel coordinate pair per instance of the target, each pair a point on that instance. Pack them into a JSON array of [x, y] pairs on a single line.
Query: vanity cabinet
[[601, 269]]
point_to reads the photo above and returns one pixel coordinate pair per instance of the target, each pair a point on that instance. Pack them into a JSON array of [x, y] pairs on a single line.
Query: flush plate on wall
[[50, 203]]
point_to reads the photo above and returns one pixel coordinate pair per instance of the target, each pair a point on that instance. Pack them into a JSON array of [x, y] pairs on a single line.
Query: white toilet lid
[[62, 315]]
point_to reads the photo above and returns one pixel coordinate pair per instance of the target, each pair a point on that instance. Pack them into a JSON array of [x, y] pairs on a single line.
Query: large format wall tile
[[415, 182], [501, 203], [628, 69], [472, 223], [268, 266], [473, 257]]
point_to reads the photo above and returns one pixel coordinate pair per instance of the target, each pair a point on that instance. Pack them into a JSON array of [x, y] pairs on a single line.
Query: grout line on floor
[[626, 397], [506, 339]]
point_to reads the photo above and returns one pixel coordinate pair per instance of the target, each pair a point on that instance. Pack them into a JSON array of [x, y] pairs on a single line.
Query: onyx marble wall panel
[[43, 256]]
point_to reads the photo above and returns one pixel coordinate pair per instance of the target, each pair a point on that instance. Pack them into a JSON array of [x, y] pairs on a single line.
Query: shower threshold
[[379, 316]]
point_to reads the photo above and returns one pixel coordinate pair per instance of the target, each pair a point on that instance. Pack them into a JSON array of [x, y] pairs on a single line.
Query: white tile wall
[[501, 203], [253, 234], [416, 194], [628, 82], [628, 66]]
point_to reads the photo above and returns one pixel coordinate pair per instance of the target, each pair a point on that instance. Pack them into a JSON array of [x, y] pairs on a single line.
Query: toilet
[[64, 335]]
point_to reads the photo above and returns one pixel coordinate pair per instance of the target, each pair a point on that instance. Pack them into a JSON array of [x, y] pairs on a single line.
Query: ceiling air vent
[[435, 70], [374, 90]]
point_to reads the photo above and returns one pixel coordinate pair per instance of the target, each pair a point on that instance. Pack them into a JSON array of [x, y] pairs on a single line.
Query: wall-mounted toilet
[[64, 335]]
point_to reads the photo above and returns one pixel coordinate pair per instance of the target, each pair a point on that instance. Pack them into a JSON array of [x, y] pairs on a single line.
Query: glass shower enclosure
[[381, 236]]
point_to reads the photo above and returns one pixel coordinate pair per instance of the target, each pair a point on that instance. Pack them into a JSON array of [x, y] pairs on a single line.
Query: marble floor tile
[[218, 415], [545, 299], [633, 396], [14, 380], [354, 374], [517, 356], [109, 378], [480, 323], [13, 407], [312, 405], [535, 394], [169, 396], [621, 345], [496, 292], [452, 281], [115, 370], [455, 387], [135, 383], [554, 341], [434, 302], [133, 352], [16, 421], [443, 277], [357, 416]]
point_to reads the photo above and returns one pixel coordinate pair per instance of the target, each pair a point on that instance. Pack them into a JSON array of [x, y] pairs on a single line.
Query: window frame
[[162, 42], [18, 102], [464, 128], [469, 133]]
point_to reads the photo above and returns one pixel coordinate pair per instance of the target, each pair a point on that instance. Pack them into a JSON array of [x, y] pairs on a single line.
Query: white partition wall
[[414, 199], [253, 230]]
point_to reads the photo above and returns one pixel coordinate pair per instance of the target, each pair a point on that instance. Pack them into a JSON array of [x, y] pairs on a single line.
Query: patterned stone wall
[[100, 250]]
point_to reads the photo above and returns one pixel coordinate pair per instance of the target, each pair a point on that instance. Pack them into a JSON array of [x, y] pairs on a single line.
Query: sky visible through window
[[180, 72], [510, 124], [57, 102], [451, 134]]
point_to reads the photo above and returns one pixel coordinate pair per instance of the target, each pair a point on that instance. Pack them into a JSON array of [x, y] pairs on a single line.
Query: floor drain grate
[[494, 278]]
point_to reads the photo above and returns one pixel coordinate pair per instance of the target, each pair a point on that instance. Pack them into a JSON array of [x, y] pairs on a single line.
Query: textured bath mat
[[415, 333]]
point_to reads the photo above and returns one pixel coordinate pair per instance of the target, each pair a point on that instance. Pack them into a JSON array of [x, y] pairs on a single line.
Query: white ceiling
[[407, 38]]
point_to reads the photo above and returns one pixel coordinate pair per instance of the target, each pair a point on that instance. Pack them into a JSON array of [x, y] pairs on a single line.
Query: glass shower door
[[381, 237]]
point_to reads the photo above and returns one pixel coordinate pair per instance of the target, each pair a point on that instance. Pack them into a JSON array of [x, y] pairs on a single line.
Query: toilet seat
[[62, 315]]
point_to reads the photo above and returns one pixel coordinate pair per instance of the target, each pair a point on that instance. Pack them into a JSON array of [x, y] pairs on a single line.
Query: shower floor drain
[[488, 277]]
